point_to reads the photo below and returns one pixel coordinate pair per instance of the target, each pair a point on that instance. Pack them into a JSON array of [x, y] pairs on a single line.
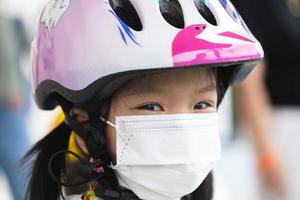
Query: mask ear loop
[[107, 122]]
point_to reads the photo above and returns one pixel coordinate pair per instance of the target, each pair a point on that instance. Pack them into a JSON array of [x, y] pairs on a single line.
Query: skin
[[171, 92]]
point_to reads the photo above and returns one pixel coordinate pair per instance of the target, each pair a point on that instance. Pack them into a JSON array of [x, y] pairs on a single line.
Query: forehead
[[171, 80]]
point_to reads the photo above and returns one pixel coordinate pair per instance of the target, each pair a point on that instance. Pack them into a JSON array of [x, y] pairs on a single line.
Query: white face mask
[[165, 157]]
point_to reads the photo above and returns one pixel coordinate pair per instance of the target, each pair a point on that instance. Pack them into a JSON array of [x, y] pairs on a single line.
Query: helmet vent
[[127, 13], [172, 12], [205, 12]]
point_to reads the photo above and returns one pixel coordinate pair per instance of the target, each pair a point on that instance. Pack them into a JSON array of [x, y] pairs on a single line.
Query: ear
[[79, 114]]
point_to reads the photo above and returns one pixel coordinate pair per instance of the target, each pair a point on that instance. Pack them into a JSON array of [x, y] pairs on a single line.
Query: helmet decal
[[186, 44], [123, 28], [53, 12], [230, 9], [191, 48], [234, 14], [235, 36]]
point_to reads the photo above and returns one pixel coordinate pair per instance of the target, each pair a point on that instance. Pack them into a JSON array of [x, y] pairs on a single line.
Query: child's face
[[171, 92]]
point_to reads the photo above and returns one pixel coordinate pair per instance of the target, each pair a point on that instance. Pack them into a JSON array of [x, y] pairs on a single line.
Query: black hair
[[42, 187], [224, 78]]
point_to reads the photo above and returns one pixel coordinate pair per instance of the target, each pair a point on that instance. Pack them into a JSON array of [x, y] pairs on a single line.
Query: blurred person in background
[[270, 101], [13, 103]]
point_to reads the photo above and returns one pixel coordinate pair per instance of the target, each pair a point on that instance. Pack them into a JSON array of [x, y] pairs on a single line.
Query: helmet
[[81, 47]]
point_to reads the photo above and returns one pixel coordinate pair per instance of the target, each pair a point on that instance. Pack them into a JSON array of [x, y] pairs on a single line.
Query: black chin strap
[[93, 135], [96, 145], [92, 170]]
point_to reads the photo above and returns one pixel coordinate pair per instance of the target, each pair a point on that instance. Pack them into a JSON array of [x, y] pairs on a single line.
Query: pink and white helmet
[[81, 45]]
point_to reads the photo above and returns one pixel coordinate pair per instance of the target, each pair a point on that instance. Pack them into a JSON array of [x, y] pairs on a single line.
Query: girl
[[139, 83]]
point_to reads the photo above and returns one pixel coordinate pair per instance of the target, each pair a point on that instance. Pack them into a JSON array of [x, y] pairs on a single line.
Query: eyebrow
[[146, 90], [208, 88], [156, 90]]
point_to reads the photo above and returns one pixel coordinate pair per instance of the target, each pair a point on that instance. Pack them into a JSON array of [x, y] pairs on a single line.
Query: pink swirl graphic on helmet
[[190, 47], [236, 36]]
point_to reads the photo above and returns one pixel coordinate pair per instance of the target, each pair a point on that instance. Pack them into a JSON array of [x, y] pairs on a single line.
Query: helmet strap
[[96, 145], [93, 135]]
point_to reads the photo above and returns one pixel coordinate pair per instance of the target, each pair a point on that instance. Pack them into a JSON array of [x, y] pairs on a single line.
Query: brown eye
[[151, 107], [201, 106]]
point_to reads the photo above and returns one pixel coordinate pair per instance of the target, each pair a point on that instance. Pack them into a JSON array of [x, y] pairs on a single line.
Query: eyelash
[[147, 106], [203, 103]]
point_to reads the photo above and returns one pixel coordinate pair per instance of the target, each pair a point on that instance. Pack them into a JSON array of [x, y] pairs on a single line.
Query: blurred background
[[260, 119], [21, 122]]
